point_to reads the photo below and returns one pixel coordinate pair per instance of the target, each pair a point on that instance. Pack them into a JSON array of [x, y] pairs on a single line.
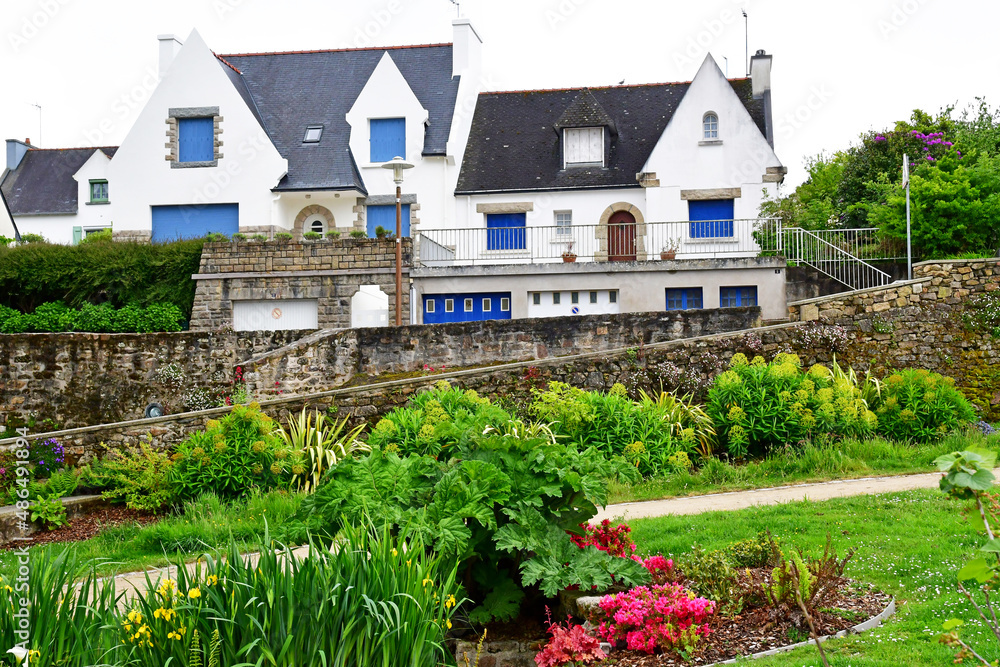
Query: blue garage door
[[505, 231], [191, 222], [385, 216], [711, 218], [440, 308]]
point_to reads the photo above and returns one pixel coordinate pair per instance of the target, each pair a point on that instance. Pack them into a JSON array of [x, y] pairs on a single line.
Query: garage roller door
[[275, 314], [191, 222]]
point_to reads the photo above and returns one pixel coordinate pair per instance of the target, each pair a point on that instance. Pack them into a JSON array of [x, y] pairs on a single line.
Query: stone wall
[[332, 359], [916, 324], [78, 379], [331, 271]]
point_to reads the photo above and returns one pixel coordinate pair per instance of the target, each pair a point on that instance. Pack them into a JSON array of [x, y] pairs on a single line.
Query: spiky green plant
[[321, 443]]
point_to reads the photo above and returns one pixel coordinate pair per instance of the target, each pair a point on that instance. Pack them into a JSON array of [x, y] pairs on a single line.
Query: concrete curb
[[865, 626]]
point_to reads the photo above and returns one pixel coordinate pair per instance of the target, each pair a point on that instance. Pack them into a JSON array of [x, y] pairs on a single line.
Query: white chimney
[[467, 52], [169, 46], [760, 73]]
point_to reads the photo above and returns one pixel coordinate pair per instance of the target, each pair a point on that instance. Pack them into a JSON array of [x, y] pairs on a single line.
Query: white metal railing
[[864, 243], [607, 242], [832, 255]]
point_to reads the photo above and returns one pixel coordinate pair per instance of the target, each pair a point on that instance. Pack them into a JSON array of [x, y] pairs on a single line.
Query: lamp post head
[[397, 164]]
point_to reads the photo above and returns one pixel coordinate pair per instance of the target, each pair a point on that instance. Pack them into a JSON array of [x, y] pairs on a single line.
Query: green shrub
[[758, 406], [498, 505], [102, 236], [239, 236], [54, 317], [333, 234], [258, 237], [312, 236], [50, 511], [282, 236], [136, 476], [359, 234], [233, 455], [760, 551], [710, 575], [919, 405], [647, 433], [119, 273], [435, 420]]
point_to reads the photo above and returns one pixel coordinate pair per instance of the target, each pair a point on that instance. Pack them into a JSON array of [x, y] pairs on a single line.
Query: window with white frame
[[487, 305], [429, 306], [316, 223], [504, 305], [583, 146], [710, 126], [449, 305], [468, 305], [564, 223]]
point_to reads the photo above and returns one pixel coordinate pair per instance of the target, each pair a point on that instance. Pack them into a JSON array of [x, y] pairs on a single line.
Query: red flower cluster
[[569, 646], [648, 618], [615, 540]]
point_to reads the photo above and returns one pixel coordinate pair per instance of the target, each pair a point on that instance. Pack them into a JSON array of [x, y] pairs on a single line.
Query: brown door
[[621, 237]]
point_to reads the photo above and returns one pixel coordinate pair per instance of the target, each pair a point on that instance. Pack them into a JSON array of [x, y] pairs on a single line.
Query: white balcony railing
[[600, 243]]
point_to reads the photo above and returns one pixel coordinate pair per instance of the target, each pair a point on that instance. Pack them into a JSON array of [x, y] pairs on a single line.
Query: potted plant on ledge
[[669, 250], [568, 255]]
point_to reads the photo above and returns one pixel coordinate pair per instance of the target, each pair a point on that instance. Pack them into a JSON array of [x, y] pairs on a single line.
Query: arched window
[[315, 223], [710, 126]]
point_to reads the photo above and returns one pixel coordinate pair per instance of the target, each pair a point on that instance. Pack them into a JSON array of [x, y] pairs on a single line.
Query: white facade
[[141, 176], [6, 221]]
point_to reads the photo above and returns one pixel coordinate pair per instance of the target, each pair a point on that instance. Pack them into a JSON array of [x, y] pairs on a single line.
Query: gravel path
[[737, 500]]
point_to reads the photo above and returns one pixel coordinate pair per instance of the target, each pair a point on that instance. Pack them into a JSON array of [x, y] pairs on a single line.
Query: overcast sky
[[839, 68]]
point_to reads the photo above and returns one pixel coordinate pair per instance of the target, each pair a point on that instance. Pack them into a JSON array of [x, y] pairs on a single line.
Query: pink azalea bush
[[616, 541], [667, 617], [569, 646]]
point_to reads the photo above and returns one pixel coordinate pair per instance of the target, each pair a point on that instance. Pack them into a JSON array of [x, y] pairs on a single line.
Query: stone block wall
[[330, 270], [80, 379], [329, 360]]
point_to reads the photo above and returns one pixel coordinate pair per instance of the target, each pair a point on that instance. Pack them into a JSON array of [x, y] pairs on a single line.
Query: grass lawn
[[909, 544], [202, 525], [843, 460]]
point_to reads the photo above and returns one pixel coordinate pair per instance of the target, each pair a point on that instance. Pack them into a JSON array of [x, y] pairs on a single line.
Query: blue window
[[684, 299], [191, 222], [474, 307], [711, 218], [385, 217], [195, 140], [387, 137], [731, 297], [505, 231]]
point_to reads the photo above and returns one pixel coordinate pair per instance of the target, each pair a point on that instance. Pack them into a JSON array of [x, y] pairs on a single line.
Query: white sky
[[839, 68]]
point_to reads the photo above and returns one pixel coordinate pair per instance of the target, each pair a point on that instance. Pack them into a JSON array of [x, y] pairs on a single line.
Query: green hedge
[[51, 317], [119, 273]]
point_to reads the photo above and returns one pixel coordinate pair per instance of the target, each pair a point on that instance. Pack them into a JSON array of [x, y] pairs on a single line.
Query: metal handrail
[[808, 247]]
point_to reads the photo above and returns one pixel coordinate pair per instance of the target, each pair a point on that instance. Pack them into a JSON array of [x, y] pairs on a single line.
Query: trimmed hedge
[[54, 317], [114, 272]]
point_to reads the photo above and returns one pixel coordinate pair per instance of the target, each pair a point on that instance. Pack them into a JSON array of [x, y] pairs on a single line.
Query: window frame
[[449, 305], [557, 298], [564, 228], [504, 304], [737, 291], [487, 304], [313, 128], [710, 126], [468, 304], [107, 197], [593, 297], [536, 298], [590, 163], [613, 296], [686, 294], [429, 306]]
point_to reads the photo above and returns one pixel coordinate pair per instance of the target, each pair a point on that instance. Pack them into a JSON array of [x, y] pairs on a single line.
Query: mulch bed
[[86, 526], [756, 630]]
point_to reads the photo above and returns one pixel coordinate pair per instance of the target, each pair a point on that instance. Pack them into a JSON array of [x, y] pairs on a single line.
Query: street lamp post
[[398, 164]]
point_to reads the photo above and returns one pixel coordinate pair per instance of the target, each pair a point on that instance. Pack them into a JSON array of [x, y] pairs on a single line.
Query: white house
[[63, 194], [270, 142], [610, 178]]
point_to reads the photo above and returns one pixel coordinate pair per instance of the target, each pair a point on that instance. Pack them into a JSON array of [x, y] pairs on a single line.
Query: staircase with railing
[[842, 254]]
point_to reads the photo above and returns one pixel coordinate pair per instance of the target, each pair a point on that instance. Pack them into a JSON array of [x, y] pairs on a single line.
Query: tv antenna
[[458, 8], [39, 107]]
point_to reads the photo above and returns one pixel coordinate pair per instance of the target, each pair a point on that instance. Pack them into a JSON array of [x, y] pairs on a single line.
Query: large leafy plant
[[757, 406], [232, 455], [920, 405], [498, 505]]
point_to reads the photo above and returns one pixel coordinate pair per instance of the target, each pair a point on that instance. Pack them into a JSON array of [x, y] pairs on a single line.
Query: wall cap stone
[[846, 295]]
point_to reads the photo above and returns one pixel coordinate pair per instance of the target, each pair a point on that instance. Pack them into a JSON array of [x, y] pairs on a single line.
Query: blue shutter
[[77, 235], [385, 216], [711, 218], [388, 138], [195, 140], [477, 314], [190, 222], [505, 231]]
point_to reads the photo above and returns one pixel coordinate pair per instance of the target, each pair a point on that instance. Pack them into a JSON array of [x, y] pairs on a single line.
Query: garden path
[[737, 500]]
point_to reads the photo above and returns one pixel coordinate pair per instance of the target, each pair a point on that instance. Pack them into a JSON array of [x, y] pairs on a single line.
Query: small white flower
[[19, 652]]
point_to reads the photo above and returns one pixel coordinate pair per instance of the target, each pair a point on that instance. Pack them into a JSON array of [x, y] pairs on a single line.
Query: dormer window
[[710, 127], [583, 146], [313, 134]]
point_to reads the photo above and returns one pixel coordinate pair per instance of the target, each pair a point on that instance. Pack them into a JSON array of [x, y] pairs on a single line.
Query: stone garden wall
[[329, 270], [921, 323]]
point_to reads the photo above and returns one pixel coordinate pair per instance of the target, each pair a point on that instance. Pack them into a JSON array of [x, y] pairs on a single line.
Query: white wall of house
[[339, 204], [88, 217], [140, 175], [683, 160], [6, 221]]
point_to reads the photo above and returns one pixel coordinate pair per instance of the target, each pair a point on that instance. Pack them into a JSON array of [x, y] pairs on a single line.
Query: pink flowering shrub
[[613, 539], [569, 646], [667, 617]]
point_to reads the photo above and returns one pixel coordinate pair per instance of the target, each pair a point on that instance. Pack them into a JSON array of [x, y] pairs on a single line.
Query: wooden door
[[621, 237]]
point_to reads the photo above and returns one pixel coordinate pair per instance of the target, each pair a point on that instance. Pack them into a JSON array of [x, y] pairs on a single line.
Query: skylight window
[[313, 134]]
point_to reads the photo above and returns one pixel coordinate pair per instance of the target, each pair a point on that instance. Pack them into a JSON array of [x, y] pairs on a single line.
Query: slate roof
[[290, 91], [514, 142], [43, 183]]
